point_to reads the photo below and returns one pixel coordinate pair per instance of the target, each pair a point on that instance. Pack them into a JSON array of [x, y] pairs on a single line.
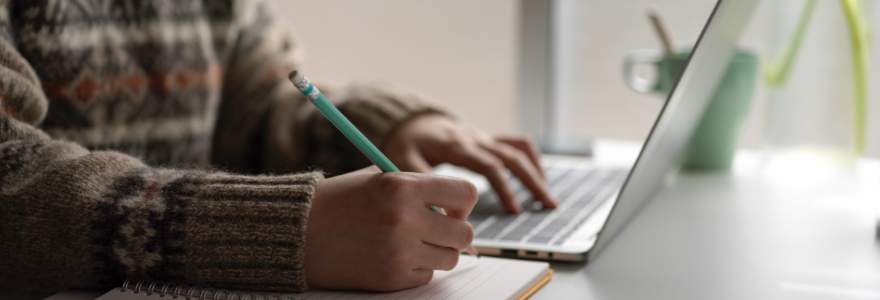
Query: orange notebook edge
[[537, 286]]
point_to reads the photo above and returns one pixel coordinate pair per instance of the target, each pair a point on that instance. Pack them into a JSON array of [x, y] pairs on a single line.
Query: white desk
[[752, 233]]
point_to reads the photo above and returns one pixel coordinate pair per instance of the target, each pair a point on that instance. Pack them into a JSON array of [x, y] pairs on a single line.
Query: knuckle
[[403, 279], [381, 279], [391, 282], [426, 278], [394, 186], [465, 236], [469, 191], [395, 220], [468, 236], [455, 142], [449, 261], [398, 283], [491, 164], [398, 258], [517, 156], [384, 285]]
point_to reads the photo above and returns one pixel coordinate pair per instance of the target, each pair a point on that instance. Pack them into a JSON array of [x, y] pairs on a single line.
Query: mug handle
[[640, 56]]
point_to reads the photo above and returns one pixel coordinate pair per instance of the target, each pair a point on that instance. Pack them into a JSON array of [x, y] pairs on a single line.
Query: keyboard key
[[475, 224], [574, 180], [578, 206], [540, 239], [545, 233], [513, 236], [567, 215], [552, 229], [501, 222], [522, 229], [478, 218], [530, 223], [489, 233], [561, 221]]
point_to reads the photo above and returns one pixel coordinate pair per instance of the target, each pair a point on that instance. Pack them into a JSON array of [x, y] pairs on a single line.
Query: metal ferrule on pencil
[[304, 85]]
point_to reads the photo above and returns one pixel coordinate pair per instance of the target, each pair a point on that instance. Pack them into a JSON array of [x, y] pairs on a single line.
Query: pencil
[[661, 31], [349, 130]]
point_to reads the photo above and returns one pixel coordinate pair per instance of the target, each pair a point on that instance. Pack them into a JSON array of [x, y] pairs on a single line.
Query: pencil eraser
[[295, 76], [299, 80]]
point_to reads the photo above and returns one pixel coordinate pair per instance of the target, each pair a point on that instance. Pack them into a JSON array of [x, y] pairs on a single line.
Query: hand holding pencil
[[348, 129], [430, 139], [372, 230], [380, 221]]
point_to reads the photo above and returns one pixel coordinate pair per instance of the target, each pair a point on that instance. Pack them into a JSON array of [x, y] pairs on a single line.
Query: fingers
[[421, 276], [527, 146], [525, 170], [413, 161], [443, 231], [406, 279], [456, 195], [483, 162], [437, 258]]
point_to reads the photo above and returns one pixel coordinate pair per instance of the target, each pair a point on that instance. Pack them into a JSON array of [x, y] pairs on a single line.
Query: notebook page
[[472, 278]]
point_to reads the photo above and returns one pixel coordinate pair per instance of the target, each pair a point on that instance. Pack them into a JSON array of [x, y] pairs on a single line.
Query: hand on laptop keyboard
[[430, 140]]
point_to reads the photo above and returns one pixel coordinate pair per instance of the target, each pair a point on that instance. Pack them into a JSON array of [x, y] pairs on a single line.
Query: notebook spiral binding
[[184, 291]]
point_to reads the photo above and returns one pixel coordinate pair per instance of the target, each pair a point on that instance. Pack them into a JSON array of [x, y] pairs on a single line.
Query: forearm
[[75, 218]]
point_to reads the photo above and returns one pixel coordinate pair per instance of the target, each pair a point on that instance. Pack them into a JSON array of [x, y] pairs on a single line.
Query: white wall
[[611, 30], [463, 55], [456, 52]]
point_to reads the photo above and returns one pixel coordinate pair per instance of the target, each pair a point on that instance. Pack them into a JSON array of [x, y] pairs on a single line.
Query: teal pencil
[[343, 124]]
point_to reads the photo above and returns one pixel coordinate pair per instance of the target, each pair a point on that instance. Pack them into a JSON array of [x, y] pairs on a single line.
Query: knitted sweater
[[113, 115]]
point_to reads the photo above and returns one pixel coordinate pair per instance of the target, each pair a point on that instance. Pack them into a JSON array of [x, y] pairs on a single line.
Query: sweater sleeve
[[266, 125], [74, 218]]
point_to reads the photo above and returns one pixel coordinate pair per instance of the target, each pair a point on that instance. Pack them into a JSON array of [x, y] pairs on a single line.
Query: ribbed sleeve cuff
[[243, 232]]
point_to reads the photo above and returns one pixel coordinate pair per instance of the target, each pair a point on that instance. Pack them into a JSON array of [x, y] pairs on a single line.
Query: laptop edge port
[[508, 253]]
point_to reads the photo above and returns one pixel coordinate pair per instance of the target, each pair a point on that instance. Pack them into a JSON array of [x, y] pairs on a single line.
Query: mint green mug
[[714, 141]]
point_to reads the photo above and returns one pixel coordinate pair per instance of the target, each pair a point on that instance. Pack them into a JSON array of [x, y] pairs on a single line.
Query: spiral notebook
[[472, 278]]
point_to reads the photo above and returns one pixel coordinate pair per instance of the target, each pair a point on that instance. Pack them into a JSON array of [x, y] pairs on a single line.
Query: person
[[161, 140]]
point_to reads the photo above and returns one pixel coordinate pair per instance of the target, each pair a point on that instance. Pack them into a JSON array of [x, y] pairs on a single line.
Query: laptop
[[597, 201]]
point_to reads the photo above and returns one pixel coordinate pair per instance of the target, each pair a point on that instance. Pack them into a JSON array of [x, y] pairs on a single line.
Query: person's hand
[[429, 140], [374, 231]]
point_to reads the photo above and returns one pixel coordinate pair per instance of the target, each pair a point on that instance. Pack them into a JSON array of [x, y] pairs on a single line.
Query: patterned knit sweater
[[114, 116]]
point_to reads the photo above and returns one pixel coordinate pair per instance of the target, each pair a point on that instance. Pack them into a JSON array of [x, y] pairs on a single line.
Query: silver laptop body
[[598, 201]]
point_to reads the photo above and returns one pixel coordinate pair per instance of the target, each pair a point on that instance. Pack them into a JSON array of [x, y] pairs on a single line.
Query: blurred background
[[466, 55]]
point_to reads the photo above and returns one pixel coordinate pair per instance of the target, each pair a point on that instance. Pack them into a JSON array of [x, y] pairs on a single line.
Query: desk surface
[[796, 231]]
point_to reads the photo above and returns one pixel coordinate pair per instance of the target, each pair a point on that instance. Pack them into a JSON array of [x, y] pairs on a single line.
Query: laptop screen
[[660, 155]]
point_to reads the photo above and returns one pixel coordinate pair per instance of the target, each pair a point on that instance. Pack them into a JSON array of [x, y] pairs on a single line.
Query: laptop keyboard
[[579, 190]]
